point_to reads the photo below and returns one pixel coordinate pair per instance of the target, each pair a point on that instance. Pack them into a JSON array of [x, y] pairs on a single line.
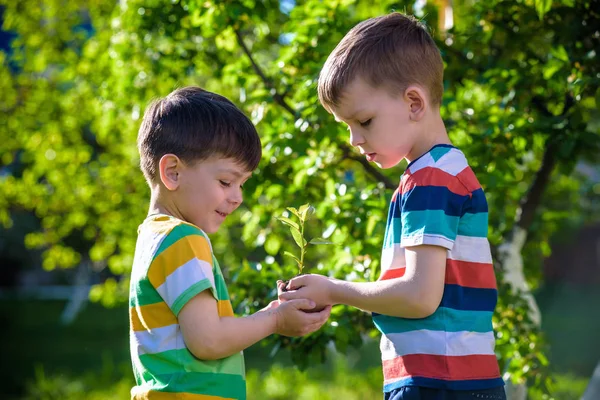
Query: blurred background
[[521, 100]]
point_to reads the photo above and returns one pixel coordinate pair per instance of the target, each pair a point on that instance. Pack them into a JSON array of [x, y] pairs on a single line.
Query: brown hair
[[195, 124], [391, 51]]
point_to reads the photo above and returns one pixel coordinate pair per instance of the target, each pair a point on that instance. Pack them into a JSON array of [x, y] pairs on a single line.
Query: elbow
[[426, 303], [424, 310], [423, 304], [205, 349]]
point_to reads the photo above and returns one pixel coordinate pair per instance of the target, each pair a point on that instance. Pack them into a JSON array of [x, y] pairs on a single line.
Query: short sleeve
[[430, 214], [182, 269]]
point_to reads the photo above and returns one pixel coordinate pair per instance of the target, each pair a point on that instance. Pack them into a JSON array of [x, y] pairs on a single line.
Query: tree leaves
[[74, 101], [542, 7], [320, 241]]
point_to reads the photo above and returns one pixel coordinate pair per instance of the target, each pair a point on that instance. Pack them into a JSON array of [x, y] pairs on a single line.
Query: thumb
[[303, 304]]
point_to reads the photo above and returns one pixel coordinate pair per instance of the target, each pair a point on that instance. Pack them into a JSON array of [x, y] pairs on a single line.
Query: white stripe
[[435, 240], [393, 257], [437, 343], [158, 340], [144, 254], [453, 162], [471, 249], [183, 277], [423, 162]]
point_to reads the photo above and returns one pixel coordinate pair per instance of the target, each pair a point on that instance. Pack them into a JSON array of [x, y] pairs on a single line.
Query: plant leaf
[[287, 253], [320, 241], [300, 241], [288, 222], [303, 210], [293, 211]]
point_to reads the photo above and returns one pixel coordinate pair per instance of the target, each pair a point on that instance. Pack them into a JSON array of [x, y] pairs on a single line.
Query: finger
[[313, 328], [293, 295], [302, 304], [319, 317], [325, 313], [296, 283]]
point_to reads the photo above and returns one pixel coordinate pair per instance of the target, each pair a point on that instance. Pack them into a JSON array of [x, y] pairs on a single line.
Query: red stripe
[[470, 274], [430, 176], [450, 368], [392, 273], [468, 178], [395, 195]]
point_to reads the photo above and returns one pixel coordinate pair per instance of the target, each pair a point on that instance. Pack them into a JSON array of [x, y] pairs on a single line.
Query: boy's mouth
[[370, 156], [221, 214]]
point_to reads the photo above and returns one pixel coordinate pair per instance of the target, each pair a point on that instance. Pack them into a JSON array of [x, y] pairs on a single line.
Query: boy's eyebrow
[[236, 173], [349, 117]]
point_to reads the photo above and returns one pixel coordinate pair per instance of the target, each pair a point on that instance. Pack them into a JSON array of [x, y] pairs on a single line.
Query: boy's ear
[[416, 98], [169, 168]]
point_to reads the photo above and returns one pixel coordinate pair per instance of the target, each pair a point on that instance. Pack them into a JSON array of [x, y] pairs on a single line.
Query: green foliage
[[521, 80], [89, 386], [280, 383], [303, 214]]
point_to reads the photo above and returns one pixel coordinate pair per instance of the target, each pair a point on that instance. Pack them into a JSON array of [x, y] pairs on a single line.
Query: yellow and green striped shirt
[[173, 263]]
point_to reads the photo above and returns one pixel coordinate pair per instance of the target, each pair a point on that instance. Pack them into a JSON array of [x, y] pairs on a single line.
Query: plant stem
[[303, 249]]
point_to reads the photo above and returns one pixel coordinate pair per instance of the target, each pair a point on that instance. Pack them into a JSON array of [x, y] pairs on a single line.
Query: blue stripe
[[443, 319], [475, 384], [422, 198], [429, 222], [466, 298], [475, 225], [393, 227], [437, 152], [477, 204]]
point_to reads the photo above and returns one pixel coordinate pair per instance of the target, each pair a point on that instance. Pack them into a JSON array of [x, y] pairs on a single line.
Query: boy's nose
[[355, 138], [236, 197]]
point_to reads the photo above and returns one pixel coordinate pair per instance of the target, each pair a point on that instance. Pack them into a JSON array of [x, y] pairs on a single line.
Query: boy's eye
[[226, 184], [366, 123]]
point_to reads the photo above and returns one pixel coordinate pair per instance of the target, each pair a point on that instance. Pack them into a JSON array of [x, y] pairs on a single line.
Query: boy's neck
[[433, 132], [162, 204]]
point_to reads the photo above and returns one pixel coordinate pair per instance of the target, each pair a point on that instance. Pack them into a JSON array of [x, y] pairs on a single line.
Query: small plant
[[303, 214]]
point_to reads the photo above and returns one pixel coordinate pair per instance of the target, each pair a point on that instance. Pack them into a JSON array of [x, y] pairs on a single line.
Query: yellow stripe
[[176, 255], [163, 224], [225, 309], [151, 316], [154, 395]]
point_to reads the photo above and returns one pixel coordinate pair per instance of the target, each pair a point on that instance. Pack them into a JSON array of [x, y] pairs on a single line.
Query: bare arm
[[209, 336], [417, 294]]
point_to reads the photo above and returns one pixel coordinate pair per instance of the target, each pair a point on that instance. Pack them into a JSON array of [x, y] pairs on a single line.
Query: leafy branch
[[281, 101], [303, 214]]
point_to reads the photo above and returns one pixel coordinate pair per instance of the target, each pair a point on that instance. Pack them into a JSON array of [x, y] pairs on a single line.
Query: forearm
[[395, 297], [232, 335]]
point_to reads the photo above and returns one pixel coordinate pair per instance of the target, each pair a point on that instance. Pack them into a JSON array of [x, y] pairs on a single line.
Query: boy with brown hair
[[197, 149], [434, 300]]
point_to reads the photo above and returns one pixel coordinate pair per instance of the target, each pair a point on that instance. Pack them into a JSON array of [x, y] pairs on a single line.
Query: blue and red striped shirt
[[440, 202]]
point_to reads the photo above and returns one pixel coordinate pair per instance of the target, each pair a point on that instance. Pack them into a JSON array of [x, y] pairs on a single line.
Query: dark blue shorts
[[424, 393]]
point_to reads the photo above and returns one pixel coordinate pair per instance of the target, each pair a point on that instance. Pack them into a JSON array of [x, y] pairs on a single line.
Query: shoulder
[[180, 238], [444, 167]]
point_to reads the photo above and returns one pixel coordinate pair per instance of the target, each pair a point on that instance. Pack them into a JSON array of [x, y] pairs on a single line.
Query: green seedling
[[302, 214]]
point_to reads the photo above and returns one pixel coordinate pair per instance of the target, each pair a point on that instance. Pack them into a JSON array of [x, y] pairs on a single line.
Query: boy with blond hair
[[434, 300]]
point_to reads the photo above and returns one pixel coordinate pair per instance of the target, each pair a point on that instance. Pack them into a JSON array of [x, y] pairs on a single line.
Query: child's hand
[[292, 320], [317, 288]]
